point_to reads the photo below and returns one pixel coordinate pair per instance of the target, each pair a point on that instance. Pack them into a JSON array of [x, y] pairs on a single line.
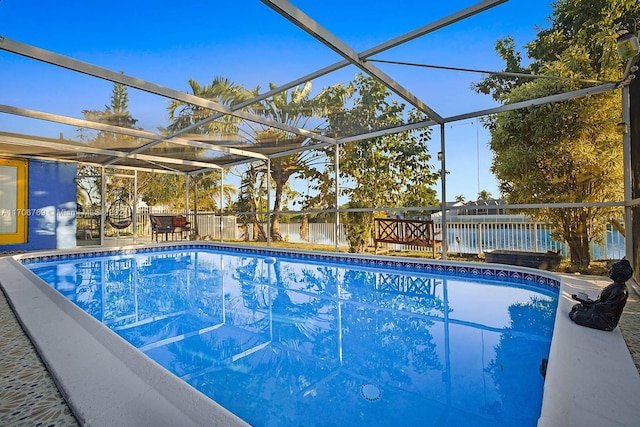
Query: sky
[[168, 43]]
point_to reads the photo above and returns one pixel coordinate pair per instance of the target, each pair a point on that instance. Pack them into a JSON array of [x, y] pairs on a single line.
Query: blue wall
[[52, 207]]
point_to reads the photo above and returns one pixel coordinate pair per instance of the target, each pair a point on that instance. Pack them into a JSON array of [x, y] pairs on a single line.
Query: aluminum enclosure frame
[[117, 158]]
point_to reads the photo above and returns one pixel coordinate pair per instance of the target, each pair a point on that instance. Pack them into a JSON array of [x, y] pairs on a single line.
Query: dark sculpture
[[604, 313]]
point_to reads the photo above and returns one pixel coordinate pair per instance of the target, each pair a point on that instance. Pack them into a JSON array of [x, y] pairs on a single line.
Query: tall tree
[[387, 171], [161, 189], [568, 151], [210, 191], [484, 195], [251, 199], [115, 114], [293, 107], [296, 108], [221, 90], [225, 128]]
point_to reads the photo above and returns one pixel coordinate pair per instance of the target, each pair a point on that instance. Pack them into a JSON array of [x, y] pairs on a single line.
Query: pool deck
[[592, 378]]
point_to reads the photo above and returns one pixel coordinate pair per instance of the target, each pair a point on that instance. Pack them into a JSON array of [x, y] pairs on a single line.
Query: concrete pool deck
[[592, 379]]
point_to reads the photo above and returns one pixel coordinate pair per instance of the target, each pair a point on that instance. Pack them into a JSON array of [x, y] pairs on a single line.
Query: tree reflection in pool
[[290, 341]]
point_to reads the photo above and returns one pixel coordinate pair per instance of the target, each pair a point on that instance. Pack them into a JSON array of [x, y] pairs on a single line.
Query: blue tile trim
[[497, 273]]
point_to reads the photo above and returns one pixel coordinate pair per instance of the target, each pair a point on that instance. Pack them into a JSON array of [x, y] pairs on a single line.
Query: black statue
[[604, 313]]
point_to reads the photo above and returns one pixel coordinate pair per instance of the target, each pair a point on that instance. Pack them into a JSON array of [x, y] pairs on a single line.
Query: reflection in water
[[520, 356], [296, 343]]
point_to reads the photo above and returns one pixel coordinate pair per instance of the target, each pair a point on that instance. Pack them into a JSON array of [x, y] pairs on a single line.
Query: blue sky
[[170, 42]]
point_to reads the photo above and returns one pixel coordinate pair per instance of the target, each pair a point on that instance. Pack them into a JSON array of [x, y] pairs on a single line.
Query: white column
[[626, 144], [336, 161], [268, 202], [221, 201], [135, 205], [443, 177], [102, 212]]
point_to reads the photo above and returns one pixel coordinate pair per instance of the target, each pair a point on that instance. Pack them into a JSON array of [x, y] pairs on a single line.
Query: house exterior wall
[[51, 208]]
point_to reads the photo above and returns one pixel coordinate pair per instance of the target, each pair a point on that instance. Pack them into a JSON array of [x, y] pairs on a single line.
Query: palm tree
[[221, 90], [251, 192], [183, 115], [296, 108], [210, 184], [484, 195]]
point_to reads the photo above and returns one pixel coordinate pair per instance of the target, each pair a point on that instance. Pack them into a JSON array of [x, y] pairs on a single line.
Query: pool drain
[[370, 392]]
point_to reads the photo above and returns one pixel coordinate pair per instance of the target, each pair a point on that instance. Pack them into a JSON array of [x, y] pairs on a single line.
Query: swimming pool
[[327, 340]]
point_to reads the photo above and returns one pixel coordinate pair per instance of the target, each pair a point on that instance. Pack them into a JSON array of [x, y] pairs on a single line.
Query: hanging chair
[[119, 214]]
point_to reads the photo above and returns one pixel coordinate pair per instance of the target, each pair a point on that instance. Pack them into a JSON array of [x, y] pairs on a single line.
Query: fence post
[[480, 251], [535, 237]]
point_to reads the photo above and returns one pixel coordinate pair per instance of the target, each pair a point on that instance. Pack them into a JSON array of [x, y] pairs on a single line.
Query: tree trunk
[[258, 232], [578, 243], [196, 231], [304, 228], [281, 171], [276, 236]]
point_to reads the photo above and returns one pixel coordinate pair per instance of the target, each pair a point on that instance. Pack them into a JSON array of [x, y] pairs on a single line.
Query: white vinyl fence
[[475, 238], [468, 235]]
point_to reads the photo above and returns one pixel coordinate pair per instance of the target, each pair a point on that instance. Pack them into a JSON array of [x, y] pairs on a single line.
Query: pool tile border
[[464, 269]]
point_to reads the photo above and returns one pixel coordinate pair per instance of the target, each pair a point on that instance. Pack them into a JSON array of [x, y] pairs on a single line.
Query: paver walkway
[[28, 395]]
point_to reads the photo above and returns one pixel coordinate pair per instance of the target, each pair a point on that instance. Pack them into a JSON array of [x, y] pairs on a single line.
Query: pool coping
[[591, 377], [132, 389]]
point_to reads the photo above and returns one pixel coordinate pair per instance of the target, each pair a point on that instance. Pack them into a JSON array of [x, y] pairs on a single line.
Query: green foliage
[[295, 108], [587, 30], [208, 184], [222, 91], [88, 182], [382, 171], [386, 171], [252, 199], [567, 151], [357, 228], [161, 189], [484, 195]]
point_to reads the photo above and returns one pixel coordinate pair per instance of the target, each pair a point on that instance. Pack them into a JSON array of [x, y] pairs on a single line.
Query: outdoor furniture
[[169, 225], [542, 260], [411, 232], [120, 214]]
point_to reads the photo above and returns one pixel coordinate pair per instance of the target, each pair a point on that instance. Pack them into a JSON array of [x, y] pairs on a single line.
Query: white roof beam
[[124, 131], [436, 25], [480, 113], [419, 32], [303, 21], [117, 167], [112, 76], [533, 102], [49, 144]]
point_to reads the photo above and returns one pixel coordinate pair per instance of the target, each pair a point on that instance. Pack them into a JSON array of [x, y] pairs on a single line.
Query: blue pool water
[[299, 342]]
